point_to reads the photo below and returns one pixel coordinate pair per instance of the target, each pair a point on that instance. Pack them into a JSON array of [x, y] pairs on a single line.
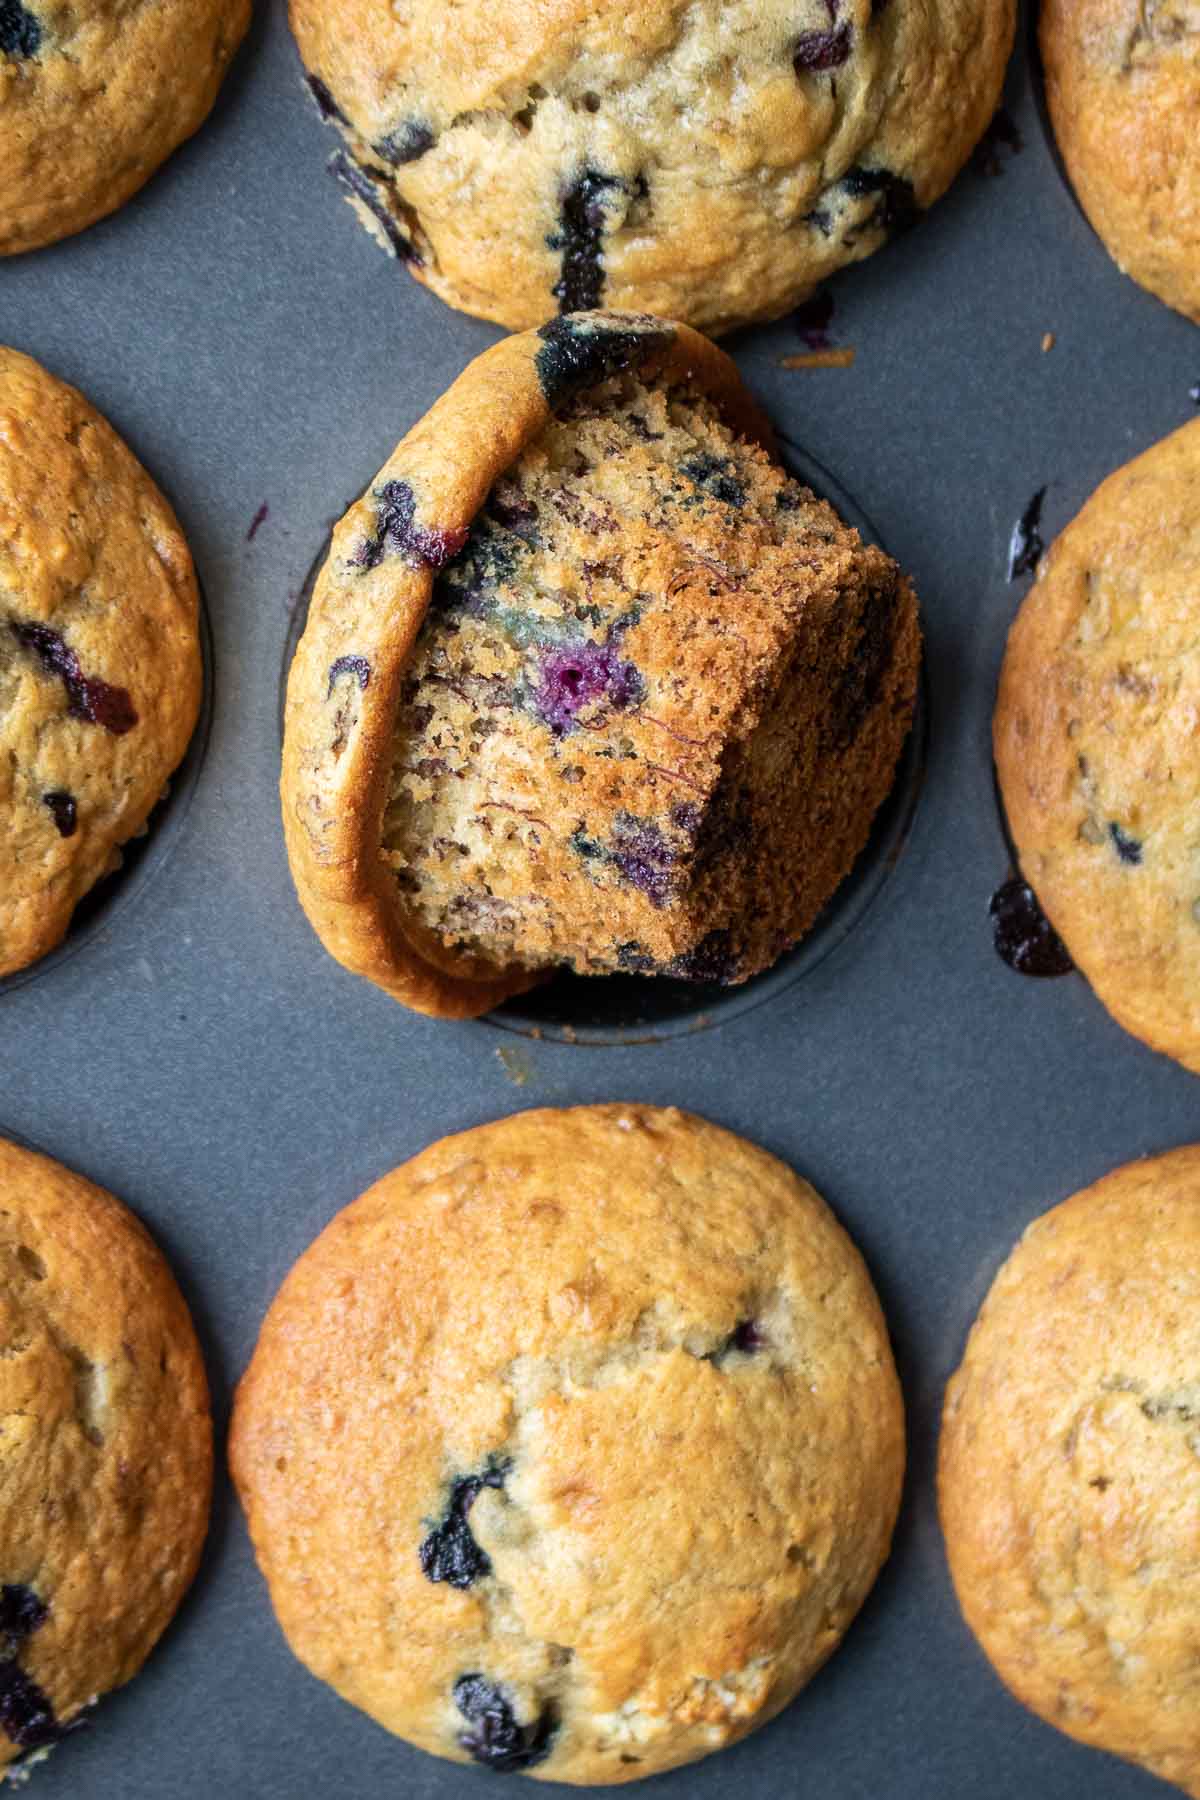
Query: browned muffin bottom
[[654, 706]]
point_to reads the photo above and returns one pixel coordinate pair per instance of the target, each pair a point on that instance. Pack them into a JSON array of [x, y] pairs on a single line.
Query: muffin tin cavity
[[141, 857]]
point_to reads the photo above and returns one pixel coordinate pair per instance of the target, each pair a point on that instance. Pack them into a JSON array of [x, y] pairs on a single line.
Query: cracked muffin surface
[[1123, 89], [707, 160], [630, 702], [1095, 742], [1070, 1467], [100, 664], [94, 95], [574, 1445], [107, 1449]]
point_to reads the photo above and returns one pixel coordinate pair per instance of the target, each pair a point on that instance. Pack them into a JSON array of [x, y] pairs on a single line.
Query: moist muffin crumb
[[589, 681]]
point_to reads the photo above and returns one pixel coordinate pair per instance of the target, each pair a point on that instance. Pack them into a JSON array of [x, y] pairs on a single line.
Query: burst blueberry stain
[[1027, 546], [494, 1736], [20, 30], [450, 1553], [326, 105], [358, 666], [398, 533], [26, 1713], [712, 473], [579, 675], [575, 356], [1128, 848], [1023, 935], [748, 1337], [96, 702], [896, 203], [407, 144], [363, 187], [580, 237], [64, 813], [644, 857], [818, 51]]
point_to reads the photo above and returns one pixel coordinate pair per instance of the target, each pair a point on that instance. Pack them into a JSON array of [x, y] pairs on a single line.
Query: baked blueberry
[[397, 532], [63, 811], [87, 696], [449, 1553], [406, 143], [358, 666], [20, 30], [1027, 546], [493, 1736], [1127, 847]]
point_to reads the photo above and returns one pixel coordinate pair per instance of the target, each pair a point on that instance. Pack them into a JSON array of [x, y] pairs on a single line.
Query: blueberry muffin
[[588, 681], [468, 1440], [100, 666], [1123, 88], [94, 95], [107, 1450], [1070, 1476], [1095, 738], [709, 162]]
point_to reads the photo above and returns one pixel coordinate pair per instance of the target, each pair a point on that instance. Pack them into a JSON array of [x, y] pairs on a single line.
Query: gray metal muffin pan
[[199, 1054]]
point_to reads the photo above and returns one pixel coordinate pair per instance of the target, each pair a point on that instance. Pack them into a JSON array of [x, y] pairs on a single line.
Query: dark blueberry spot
[[257, 522], [1024, 937], [640, 427], [450, 1553], [20, 32], [26, 1714], [64, 813], [494, 1737], [358, 666], [577, 355], [858, 689], [1027, 546], [685, 815], [398, 533], [578, 675], [819, 50], [748, 1337], [582, 218], [820, 219], [811, 319], [21, 1614], [633, 957], [711, 473], [712, 960], [897, 207], [408, 143], [644, 857], [361, 186], [1002, 139], [88, 697], [1194, 393], [586, 846], [327, 106], [1129, 849]]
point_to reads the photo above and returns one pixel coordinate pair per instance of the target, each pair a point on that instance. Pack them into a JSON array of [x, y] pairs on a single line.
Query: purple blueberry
[[22, 1613], [896, 207], [450, 1552], [712, 473], [576, 355], [1024, 937], [580, 237], [63, 811], [398, 533], [326, 105], [370, 191], [817, 51], [713, 960], [26, 1713], [358, 666], [1128, 848], [644, 857], [1026, 547], [575, 676], [408, 143], [494, 1736], [20, 30], [88, 697]]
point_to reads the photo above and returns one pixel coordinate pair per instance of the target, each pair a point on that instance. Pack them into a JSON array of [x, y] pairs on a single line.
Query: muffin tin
[[193, 1049]]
